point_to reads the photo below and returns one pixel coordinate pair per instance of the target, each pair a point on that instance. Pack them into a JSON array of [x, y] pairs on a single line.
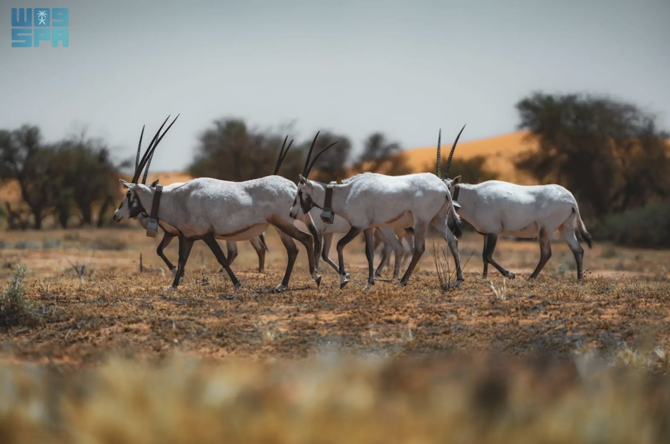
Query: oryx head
[[132, 206], [451, 183], [304, 199]]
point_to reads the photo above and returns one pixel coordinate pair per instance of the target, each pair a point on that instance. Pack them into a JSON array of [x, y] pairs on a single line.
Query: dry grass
[[259, 367]]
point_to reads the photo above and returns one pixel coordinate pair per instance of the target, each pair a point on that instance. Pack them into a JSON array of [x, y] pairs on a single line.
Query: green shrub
[[647, 227], [15, 309]]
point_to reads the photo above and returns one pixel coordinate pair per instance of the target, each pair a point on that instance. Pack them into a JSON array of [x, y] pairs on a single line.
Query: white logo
[[42, 17]]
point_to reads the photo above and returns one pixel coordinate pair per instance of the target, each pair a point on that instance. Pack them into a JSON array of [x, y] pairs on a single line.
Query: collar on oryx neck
[[152, 225], [327, 215]]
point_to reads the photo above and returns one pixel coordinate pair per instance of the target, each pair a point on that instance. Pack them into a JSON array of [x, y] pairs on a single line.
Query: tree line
[[609, 153]]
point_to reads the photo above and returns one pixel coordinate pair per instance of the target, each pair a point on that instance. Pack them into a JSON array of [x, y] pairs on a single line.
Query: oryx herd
[[386, 209]]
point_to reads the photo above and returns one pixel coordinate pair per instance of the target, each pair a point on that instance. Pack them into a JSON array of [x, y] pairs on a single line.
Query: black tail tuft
[[456, 226], [262, 238]]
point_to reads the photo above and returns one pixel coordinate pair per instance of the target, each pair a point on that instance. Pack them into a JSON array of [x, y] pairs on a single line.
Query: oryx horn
[[282, 155], [148, 154], [451, 154], [439, 156]]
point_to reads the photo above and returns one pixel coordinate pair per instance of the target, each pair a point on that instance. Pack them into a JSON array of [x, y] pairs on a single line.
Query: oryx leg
[[491, 241], [545, 252], [486, 263], [419, 248], [391, 239], [353, 232], [441, 226], [167, 238], [213, 245], [259, 246], [232, 251], [571, 239], [305, 239], [185, 246], [370, 254], [386, 257], [292, 252], [409, 235], [317, 238], [327, 241]]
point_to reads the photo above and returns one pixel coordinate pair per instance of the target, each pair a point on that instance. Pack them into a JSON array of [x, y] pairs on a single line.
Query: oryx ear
[[302, 179], [456, 180], [154, 183], [124, 183]]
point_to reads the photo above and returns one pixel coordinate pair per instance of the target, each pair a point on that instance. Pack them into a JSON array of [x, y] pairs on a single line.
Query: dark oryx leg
[[167, 238], [327, 241], [185, 246], [370, 254], [305, 239], [545, 252], [353, 232], [386, 257], [318, 242], [419, 247], [213, 245], [452, 242], [260, 247], [491, 241], [486, 263], [409, 235], [292, 251]]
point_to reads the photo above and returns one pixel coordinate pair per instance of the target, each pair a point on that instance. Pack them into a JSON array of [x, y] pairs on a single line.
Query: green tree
[[610, 154], [230, 150], [382, 156]]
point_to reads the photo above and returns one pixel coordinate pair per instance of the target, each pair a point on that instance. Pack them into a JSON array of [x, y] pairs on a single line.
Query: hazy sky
[[405, 68]]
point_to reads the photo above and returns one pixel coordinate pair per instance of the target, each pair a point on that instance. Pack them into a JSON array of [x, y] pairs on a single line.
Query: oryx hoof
[[280, 288], [238, 286], [317, 279], [512, 276], [172, 287], [367, 287], [403, 283], [378, 274], [343, 283]]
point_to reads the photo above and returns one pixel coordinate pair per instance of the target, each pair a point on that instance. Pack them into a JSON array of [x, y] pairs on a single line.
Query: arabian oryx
[[208, 209], [372, 200], [134, 210], [495, 207]]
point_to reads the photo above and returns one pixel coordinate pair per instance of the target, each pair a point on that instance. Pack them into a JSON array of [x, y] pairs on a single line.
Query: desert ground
[[104, 352]]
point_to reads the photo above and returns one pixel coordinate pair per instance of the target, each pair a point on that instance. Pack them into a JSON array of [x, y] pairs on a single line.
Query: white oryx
[[372, 200], [524, 211], [211, 209]]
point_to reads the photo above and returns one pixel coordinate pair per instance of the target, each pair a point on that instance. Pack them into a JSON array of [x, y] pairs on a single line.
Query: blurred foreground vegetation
[[334, 399]]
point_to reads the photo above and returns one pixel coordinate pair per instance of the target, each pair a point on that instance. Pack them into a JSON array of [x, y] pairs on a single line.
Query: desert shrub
[[49, 244], [15, 309], [645, 227], [109, 244], [27, 245]]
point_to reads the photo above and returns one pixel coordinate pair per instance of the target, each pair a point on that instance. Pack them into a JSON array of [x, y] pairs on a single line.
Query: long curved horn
[[148, 154], [451, 154], [143, 161], [282, 155], [309, 154], [139, 148], [439, 156], [317, 156]]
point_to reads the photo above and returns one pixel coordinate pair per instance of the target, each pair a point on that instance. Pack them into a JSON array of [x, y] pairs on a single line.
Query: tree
[[24, 158], [87, 177], [232, 151], [609, 153], [331, 165], [382, 156]]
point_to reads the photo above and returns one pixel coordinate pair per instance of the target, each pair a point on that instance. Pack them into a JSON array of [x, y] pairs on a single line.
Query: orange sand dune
[[500, 152]]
